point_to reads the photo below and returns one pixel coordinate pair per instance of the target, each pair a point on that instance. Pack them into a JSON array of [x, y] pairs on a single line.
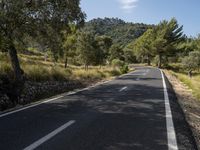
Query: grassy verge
[[193, 83], [38, 70]]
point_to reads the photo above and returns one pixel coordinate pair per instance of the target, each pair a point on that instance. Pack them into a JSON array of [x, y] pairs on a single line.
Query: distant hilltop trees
[[120, 31]]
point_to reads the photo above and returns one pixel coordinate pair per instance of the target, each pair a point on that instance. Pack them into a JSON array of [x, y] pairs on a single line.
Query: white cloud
[[128, 5]]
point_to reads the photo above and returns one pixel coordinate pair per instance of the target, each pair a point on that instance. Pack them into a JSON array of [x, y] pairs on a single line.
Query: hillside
[[120, 31]]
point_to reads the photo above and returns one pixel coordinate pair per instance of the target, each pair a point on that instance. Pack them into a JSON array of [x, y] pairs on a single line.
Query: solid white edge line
[[49, 100], [49, 136], [171, 135], [27, 107]]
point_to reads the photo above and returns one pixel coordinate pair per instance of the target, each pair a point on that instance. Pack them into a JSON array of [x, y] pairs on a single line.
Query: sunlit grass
[[36, 69], [193, 83], [95, 73]]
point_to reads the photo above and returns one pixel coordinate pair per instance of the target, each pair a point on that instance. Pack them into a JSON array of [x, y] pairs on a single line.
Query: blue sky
[[187, 12]]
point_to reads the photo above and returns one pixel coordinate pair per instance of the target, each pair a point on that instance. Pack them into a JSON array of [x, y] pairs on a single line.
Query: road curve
[[128, 113]]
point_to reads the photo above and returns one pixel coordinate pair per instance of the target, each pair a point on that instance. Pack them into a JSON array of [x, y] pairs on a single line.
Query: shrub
[[5, 68], [85, 75], [124, 69], [115, 72], [36, 73], [117, 63], [59, 74], [192, 61]]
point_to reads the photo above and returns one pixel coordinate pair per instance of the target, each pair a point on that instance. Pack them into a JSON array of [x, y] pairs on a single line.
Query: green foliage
[[192, 83], [192, 62], [121, 32], [168, 35], [115, 72], [93, 50], [160, 41], [143, 47], [44, 20], [70, 44], [116, 52], [102, 46], [117, 63], [124, 69], [129, 56], [85, 48]]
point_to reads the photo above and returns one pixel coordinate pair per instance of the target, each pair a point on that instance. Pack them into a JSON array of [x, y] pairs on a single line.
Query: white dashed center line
[[137, 79], [124, 88], [49, 136]]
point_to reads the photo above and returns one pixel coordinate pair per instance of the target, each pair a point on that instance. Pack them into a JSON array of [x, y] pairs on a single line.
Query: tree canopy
[[120, 31], [161, 41], [49, 18]]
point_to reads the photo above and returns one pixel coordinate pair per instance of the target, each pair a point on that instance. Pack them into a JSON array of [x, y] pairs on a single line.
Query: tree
[[102, 46], [33, 17], [85, 48], [22, 17], [192, 62], [166, 37], [116, 52], [70, 44], [129, 56], [187, 45], [120, 31], [143, 46]]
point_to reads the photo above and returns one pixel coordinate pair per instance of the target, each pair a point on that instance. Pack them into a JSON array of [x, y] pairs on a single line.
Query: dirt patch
[[189, 104]]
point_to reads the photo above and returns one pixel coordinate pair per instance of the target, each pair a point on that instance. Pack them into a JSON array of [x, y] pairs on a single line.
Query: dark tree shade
[[34, 17], [49, 18]]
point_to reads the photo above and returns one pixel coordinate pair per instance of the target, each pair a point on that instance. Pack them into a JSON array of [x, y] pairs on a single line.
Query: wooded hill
[[120, 31]]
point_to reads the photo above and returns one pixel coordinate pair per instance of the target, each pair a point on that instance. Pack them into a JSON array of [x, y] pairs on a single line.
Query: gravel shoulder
[[189, 104]]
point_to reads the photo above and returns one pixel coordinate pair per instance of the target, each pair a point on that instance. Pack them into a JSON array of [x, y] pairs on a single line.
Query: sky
[[187, 12]]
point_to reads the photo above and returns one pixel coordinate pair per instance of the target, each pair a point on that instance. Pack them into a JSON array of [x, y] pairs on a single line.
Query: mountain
[[120, 31]]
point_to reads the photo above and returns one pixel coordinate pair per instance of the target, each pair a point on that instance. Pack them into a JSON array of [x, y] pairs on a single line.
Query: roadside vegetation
[[42, 41], [165, 46], [38, 70], [50, 41], [192, 82]]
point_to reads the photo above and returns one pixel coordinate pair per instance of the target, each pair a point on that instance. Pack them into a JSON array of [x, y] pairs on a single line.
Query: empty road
[[138, 111]]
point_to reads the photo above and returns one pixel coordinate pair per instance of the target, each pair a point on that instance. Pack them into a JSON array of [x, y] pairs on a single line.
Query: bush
[[124, 69], [85, 75], [192, 61], [117, 63], [4, 57], [36, 73], [60, 74], [115, 72]]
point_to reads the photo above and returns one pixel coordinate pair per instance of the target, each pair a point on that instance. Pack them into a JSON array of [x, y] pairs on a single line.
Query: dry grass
[[193, 83], [94, 73], [36, 69]]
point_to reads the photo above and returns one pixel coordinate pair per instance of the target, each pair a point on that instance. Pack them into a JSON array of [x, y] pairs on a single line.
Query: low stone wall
[[37, 90]]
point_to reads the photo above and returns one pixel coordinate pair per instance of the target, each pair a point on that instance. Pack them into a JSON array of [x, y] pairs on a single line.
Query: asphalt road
[[128, 113]]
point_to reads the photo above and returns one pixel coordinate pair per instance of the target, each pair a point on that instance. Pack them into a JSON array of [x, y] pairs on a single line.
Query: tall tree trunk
[[148, 60], [66, 62], [18, 72], [87, 67], [159, 61], [17, 86], [190, 73]]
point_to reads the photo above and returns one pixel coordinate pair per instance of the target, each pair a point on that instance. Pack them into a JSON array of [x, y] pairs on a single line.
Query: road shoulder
[[189, 105]]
